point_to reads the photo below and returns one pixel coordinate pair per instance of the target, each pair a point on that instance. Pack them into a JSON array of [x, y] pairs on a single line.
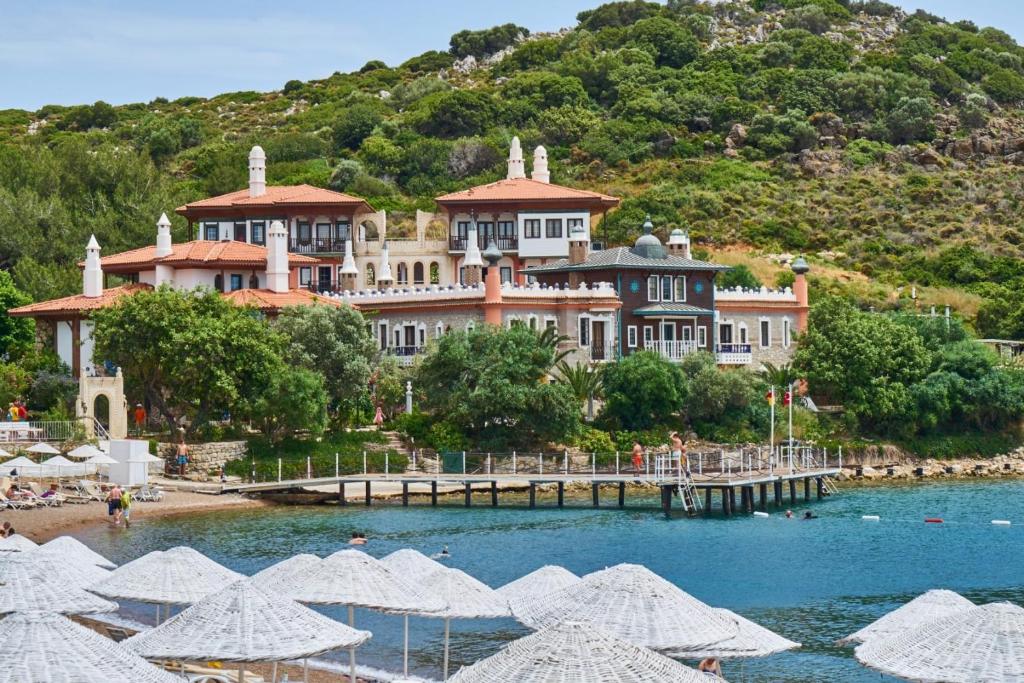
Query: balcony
[[671, 349], [458, 243], [733, 354], [316, 245], [405, 355]]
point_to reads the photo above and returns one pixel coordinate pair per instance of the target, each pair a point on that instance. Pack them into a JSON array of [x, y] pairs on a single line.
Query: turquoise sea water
[[812, 581]]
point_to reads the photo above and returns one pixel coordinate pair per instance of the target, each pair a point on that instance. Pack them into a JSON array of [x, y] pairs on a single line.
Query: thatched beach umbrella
[[354, 579], [571, 651], [179, 576], [244, 623], [633, 603], [282, 573], [983, 643], [926, 607], [464, 598], [68, 569], [751, 640], [17, 544], [37, 582], [40, 647], [73, 550], [408, 563], [536, 584]]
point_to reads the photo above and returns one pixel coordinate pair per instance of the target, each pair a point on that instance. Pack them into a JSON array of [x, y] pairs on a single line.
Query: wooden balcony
[[458, 243], [316, 245]]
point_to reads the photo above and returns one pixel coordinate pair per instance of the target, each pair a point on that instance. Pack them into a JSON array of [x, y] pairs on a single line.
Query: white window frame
[[551, 321], [653, 286], [438, 330], [677, 290], [583, 331], [648, 334], [787, 332], [667, 279], [702, 336], [631, 336], [305, 276], [764, 340]]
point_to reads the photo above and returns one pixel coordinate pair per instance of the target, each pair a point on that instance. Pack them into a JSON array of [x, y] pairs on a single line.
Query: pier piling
[[792, 491], [821, 487], [707, 501], [341, 494], [433, 494], [666, 500], [763, 496], [561, 494], [622, 494], [777, 490], [368, 493], [595, 494], [469, 494], [533, 495], [494, 493], [732, 499], [807, 488], [405, 494], [726, 506]]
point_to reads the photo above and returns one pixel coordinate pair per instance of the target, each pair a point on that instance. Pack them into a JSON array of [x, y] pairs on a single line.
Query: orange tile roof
[[525, 189], [277, 196], [198, 253], [269, 301], [78, 303]]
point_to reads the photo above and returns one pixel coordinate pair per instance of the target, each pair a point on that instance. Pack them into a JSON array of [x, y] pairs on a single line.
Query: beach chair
[[91, 489], [117, 634], [53, 501], [19, 504], [148, 494]]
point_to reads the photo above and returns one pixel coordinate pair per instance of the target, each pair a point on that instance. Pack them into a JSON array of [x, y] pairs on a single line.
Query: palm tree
[[549, 337], [779, 375], [584, 382]]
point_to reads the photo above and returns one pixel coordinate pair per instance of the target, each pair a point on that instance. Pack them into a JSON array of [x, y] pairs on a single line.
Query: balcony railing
[[671, 349], [733, 354], [405, 355], [315, 245], [458, 243]]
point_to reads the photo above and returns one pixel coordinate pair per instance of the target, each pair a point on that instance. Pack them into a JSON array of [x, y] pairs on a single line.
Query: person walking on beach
[[182, 458], [126, 508], [140, 418], [638, 458], [114, 504]]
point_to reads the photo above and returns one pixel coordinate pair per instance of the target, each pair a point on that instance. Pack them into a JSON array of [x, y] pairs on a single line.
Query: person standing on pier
[[679, 453], [638, 458]]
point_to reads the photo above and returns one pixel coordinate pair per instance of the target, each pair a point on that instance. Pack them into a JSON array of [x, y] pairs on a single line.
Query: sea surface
[[812, 581]]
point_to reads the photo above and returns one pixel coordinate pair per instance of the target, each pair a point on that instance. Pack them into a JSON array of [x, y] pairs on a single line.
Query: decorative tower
[[92, 276], [516, 168], [384, 277], [679, 243], [349, 271], [257, 172], [473, 262], [800, 269], [163, 273], [540, 165], [579, 245], [492, 286], [277, 258]]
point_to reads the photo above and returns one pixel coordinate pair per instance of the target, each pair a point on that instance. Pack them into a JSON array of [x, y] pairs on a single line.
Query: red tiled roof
[[277, 196], [79, 302], [198, 253], [525, 189], [269, 301]]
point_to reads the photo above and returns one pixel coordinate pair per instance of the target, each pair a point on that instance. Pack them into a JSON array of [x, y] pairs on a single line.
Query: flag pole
[[771, 429], [791, 427]]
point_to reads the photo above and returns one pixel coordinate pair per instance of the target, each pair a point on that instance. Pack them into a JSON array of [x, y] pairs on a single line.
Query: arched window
[[417, 273], [438, 330], [371, 275], [403, 274], [435, 273]]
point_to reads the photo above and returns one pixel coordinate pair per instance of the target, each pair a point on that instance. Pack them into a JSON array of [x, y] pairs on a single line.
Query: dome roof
[[648, 245], [492, 254], [799, 266]]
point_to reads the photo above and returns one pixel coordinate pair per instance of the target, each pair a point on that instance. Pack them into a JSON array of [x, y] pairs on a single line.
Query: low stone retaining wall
[[204, 457], [1009, 465]]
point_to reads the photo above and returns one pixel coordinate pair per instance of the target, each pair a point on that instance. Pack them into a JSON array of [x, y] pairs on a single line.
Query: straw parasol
[[408, 562], [281, 574], [86, 450], [983, 643], [17, 543], [633, 603], [42, 448], [926, 607], [536, 584], [244, 623], [36, 581], [751, 640], [76, 551], [571, 651], [70, 568], [465, 598], [179, 576], [354, 579], [37, 647]]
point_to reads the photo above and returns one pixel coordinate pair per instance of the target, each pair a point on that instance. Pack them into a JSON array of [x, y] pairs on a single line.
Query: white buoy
[[1001, 522], [871, 518], [761, 514]]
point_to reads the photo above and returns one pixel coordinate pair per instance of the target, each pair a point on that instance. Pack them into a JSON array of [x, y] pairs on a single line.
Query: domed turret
[[799, 266], [492, 254], [679, 243], [647, 245]]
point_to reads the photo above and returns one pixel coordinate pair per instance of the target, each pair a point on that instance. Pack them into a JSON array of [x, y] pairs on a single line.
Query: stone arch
[[368, 230], [435, 273], [111, 390], [417, 273]]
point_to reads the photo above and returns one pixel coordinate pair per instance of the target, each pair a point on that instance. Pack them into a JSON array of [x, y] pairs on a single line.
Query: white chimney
[[92, 276], [257, 172], [348, 266], [540, 165], [277, 258], [473, 257], [385, 267], [163, 236], [516, 169]]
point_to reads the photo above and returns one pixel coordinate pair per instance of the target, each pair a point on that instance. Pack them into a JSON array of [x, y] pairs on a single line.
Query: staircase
[[688, 495], [394, 442]]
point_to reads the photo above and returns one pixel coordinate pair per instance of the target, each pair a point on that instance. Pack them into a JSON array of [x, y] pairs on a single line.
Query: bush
[[642, 390], [590, 440], [345, 174], [479, 44], [809, 17], [355, 124]]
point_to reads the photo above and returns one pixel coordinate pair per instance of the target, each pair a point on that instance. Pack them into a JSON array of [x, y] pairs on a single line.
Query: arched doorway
[[101, 410]]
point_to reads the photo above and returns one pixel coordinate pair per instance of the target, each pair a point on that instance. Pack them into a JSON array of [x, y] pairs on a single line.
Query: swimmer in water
[[443, 555], [789, 514]]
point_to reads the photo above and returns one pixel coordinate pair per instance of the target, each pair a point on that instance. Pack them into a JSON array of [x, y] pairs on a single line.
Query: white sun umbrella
[[983, 643], [42, 448], [571, 651], [537, 584], [101, 458], [409, 563], [86, 450], [633, 603], [464, 598], [244, 623], [17, 543], [31, 581], [281, 574], [71, 569], [354, 579], [751, 640], [926, 607], [76, 551], [58, 464], [22, 464], [179, 576], [40, 647]]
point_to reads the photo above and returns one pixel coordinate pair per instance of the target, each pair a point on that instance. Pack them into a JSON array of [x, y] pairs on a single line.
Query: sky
[[80, 51]]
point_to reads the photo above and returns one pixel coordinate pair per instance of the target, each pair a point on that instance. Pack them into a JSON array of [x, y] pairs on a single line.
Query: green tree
[[486, 42], [617, 14], [670, 43], [294, 400], [642, 390], [355, 123], [454, 113], [584, 381], [16, 334], [738, 276]]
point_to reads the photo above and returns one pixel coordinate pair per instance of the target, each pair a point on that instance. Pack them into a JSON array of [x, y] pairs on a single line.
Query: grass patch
[[349, 447]]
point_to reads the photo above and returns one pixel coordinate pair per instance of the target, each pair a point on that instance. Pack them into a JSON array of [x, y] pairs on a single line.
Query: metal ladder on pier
[[830, 486], [688, 494]]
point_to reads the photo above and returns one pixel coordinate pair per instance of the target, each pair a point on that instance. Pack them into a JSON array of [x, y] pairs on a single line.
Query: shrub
[[809, 17], [590, 440]]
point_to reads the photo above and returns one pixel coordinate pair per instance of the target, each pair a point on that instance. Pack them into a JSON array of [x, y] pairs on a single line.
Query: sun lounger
[[53, 500], [91, 489], [16, 504], [148, 494]]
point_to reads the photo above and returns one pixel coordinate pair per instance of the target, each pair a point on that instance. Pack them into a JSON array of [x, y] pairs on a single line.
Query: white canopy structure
[[571, 651], [43, 448], [245, 623], [281, 575], [537, 583], [40, 647], [981, 644], [101, 458], [86, 450], [17, 543], [464, 598], [39, 582], [408, 563], [179, 576], [54, 467], [751, 640], [633, 603], [17, 463], [926, 607], [75, 551]]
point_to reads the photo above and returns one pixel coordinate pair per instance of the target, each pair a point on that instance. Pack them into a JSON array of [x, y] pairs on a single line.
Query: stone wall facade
[[204, 457], [748, 324]]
